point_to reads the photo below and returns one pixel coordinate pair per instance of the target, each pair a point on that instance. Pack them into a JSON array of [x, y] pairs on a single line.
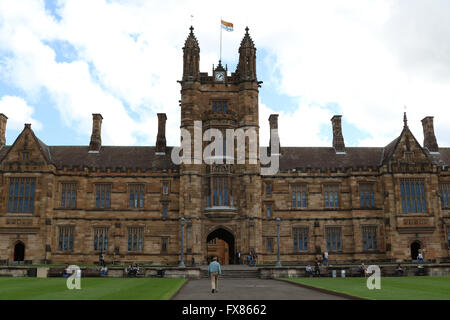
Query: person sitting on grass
[[399, 270], [309, 271], [363, 270]]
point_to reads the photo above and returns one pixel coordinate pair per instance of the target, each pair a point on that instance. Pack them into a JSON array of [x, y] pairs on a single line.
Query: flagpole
[[220, 59]]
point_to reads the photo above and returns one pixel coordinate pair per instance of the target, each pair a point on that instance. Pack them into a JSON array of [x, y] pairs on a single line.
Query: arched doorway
[[220, 243], [19, 251], [415, 247]]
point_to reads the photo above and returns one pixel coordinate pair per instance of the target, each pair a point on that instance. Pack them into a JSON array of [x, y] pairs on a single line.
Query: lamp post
[[182, 243], [278, 243]]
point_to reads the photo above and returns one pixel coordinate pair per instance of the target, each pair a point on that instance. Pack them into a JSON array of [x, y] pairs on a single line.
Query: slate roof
[[144, 157]]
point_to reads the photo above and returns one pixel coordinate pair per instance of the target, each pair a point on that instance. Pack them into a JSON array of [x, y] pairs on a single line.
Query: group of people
[[317, 263], [132, 270]]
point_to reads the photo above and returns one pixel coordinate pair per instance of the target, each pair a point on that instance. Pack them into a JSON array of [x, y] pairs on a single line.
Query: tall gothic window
[[412, 192], [222, 193], [268, 211], [300, 239], [299, 196], [103, 195], [164, 210], [66, 238], [268, 188], [334, 239], [448, 236], [135, 238], [444, 192], [331, 196], [164, 241], [68, 195], [165, 185], [366, 195], [101, 239], [370, 238], [136, 198], [21, 195], [269, 244]]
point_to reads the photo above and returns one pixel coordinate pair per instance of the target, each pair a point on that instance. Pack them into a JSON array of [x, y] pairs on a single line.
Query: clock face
[[220, 76]]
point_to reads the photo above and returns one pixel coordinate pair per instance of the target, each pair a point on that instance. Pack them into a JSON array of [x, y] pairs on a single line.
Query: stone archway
[[415, 247], [19, 251], [221, 243]]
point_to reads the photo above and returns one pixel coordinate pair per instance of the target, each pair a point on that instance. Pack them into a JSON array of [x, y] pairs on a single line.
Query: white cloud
[[370, 58], [18, 112]]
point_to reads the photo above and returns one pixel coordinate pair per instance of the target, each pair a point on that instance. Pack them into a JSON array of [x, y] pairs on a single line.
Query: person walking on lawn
[[214, 272]]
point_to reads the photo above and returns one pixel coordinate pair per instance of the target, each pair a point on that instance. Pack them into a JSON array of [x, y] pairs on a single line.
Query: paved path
[[249, 289]]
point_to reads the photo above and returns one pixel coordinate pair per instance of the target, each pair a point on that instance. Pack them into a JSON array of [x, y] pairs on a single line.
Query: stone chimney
[[161, 137], [429, 139], [273, 122], [96, 137], [3, 120], [338, 139]]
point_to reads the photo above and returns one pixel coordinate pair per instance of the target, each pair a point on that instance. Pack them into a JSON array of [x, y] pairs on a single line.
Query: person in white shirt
[[325, 258], [420, 258]]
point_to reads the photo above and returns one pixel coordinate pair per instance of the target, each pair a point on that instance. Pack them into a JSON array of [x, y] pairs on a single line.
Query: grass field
[[392, 288], [91, 289]]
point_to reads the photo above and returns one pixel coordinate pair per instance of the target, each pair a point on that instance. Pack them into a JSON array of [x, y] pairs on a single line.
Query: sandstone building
[[63, 204]]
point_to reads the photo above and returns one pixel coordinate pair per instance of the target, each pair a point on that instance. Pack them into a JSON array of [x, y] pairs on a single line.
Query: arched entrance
[[415, 247], [19, 251], [220, 243]]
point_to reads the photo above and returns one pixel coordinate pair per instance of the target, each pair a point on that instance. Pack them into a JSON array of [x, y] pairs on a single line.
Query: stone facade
[[128, 201]]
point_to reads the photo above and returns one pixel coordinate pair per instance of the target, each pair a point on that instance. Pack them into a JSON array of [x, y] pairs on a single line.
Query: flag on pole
[[227, 25]]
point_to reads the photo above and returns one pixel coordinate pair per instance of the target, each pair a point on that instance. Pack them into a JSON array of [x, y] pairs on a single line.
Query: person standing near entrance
[[420, 257], [238, 257], [214, 272]]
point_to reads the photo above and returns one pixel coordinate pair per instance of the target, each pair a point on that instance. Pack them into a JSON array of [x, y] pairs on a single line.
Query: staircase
[[235, 273]]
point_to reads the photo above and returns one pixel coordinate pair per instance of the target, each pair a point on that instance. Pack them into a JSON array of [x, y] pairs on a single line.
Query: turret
[[191, 58], [246, 68]]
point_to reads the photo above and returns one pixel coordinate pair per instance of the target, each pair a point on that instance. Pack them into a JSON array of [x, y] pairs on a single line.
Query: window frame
[[299, 194], [334, 190], [370, 236], [64, 192], [21, 195], [139, 189], [444, 195], [413, 198], [300, 232], [136, 235], [107, 195], [368, 202], [104, 232], [338, 241], [66, 238]]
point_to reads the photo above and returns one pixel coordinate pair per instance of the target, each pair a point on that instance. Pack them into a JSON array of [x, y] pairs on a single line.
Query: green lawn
[[392, 288], [91, 289]]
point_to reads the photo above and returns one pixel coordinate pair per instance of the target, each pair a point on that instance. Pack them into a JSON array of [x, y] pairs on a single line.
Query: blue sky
[[61, 61]]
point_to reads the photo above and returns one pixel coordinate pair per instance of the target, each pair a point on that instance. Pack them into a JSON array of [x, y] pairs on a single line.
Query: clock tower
[[221, 199]]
